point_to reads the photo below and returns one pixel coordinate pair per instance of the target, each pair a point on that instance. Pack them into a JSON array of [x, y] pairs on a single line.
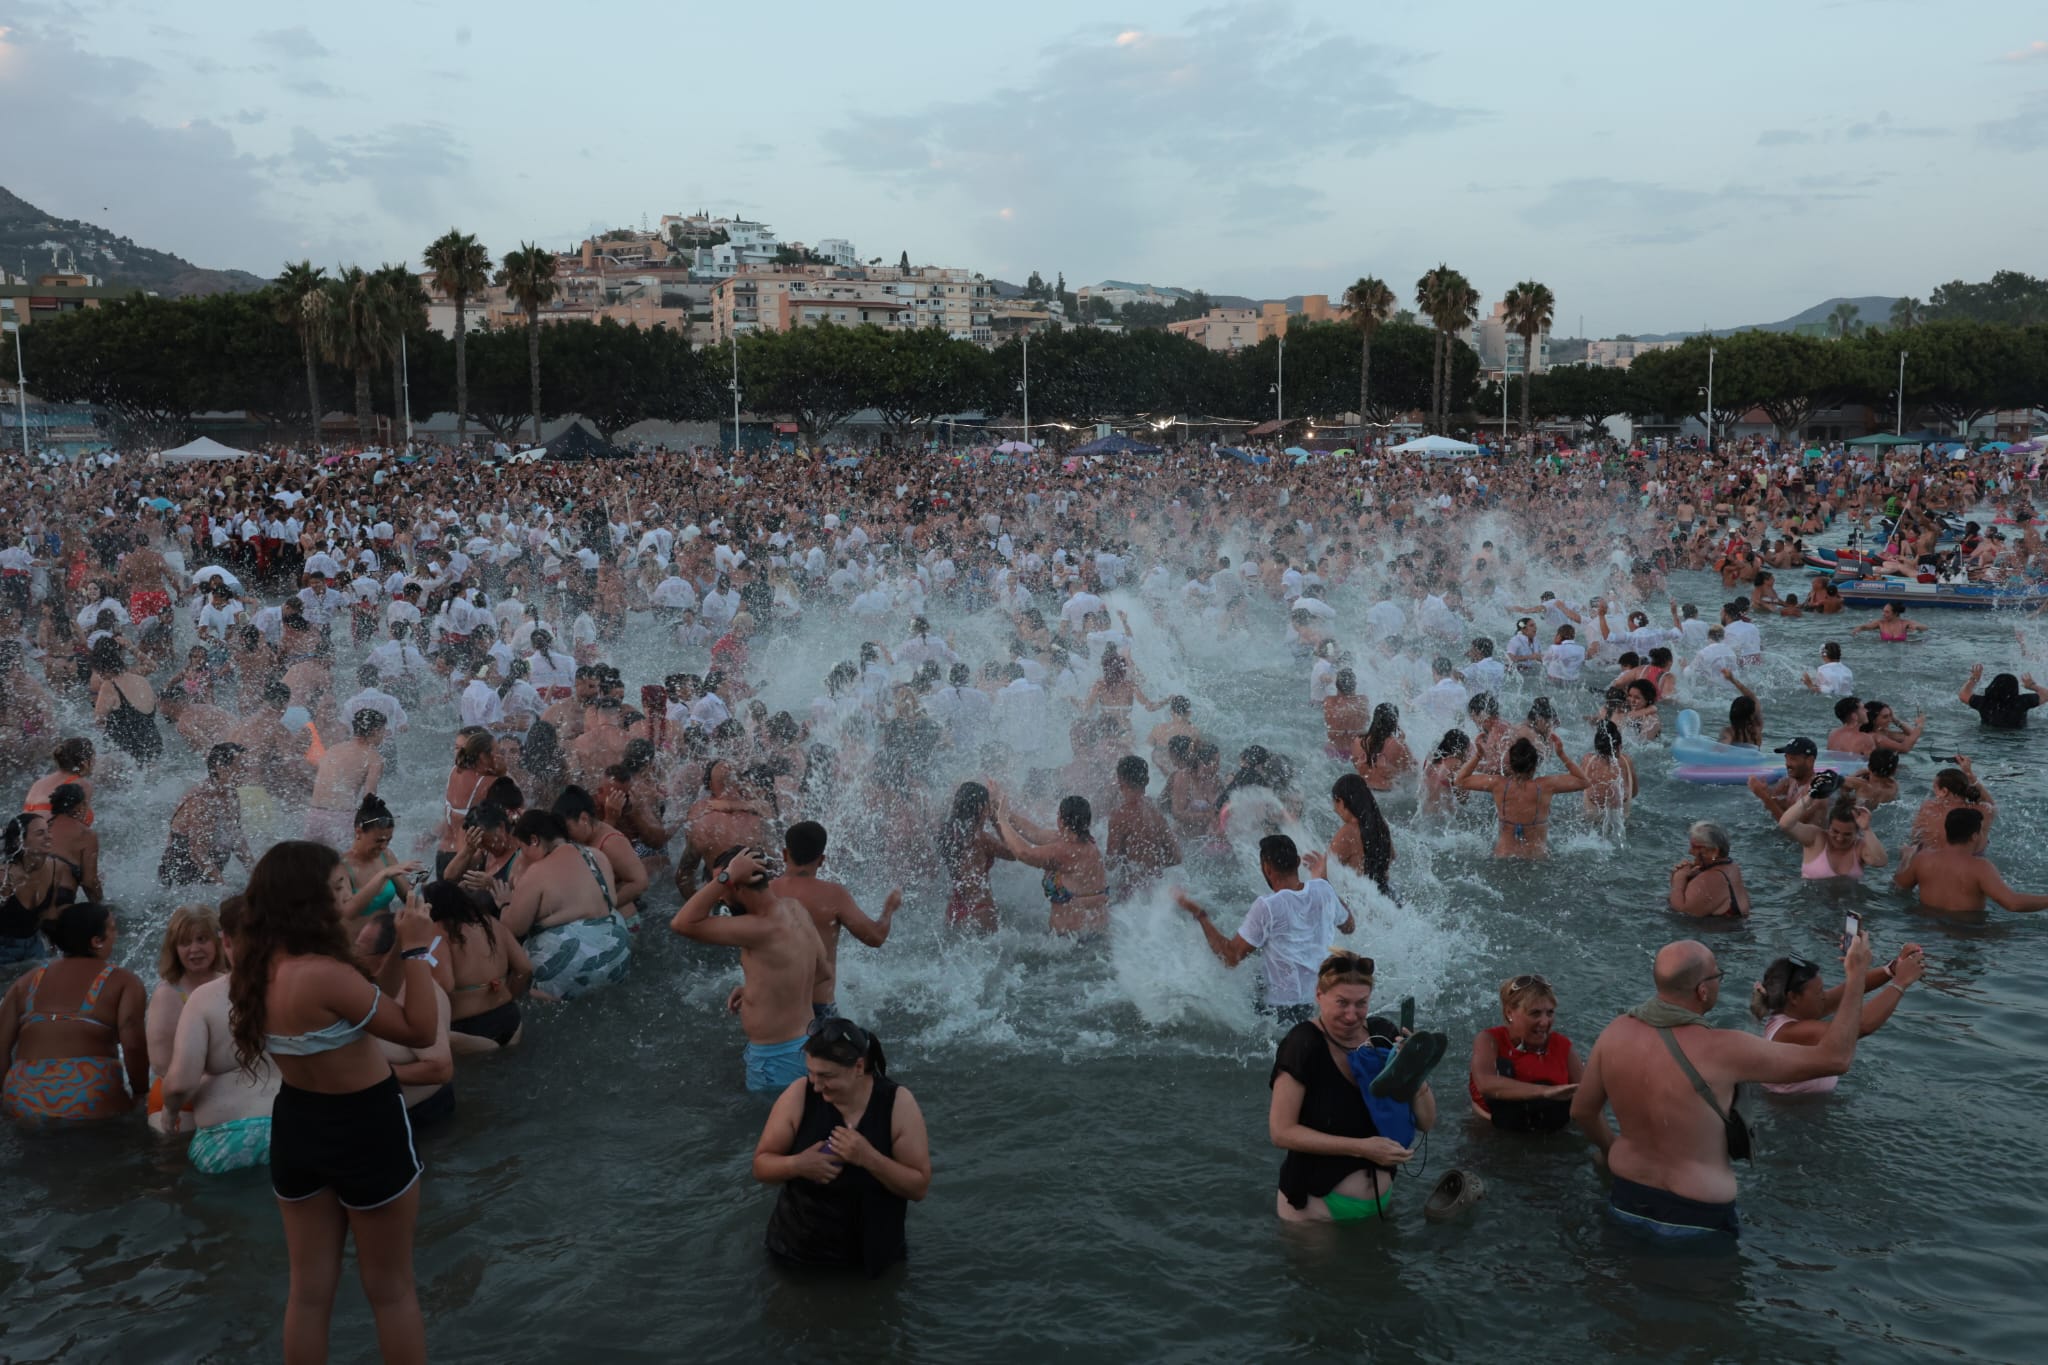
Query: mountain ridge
[[35, 241]]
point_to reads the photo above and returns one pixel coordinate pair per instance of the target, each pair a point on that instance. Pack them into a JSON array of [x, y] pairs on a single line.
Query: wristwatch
[[724, 878]]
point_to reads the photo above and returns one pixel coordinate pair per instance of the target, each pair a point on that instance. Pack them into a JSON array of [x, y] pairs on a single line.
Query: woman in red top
[[1524, 1072]]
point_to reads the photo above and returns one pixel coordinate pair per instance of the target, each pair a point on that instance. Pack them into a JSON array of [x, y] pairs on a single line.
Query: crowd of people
[[272, 636]]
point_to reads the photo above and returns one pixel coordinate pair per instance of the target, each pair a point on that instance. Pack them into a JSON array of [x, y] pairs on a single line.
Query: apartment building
[[1619, 355], [1500, 350], [54, 294], [591, 284], [1120, 294], [1274, 318], [1221, 329], [781, 297]]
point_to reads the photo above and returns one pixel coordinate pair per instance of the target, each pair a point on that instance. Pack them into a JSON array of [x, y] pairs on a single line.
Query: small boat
[[1927, 591]]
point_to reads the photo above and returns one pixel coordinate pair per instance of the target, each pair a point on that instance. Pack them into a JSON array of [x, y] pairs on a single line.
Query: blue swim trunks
[[772, 1067]]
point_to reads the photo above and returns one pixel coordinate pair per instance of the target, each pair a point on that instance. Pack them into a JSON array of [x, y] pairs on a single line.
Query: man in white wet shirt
[[1291, 927], [1566, 657], [1740, 633]]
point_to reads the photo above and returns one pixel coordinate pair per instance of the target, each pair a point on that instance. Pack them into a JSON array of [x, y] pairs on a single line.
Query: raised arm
[[1574, 778], [873, 932], [1750, 1058], [1970, 687], [1794, 822], [1912, 737], [1469, 780]]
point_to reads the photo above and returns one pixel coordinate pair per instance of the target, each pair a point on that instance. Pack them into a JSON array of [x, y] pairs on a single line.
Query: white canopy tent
[[203, 449], [1437, 448]]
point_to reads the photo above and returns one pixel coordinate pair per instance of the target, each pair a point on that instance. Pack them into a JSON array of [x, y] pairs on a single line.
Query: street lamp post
[[405, 371], [13, 328], [1027, 384], [1901, 413], [1280, 387], [1710, 400], [735, 393], [1503, 411]]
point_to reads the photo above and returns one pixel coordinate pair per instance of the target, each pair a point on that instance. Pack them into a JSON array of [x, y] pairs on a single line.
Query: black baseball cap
[[1802, 746]]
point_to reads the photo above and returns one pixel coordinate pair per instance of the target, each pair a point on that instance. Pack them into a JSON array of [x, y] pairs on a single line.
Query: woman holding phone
[[1795, 1005]]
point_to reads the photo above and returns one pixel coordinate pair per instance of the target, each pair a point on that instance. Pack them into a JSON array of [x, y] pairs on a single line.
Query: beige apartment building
[[1221, 329], [957, 302], [1274, 319], [1619, 355]]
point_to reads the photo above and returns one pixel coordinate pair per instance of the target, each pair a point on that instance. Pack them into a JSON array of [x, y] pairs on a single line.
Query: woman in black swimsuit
[[33, 887], [1708, 885], [132, 729]]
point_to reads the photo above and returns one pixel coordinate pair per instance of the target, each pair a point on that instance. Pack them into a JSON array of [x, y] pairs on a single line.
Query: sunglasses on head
[[836, 1031], [1344, 960]]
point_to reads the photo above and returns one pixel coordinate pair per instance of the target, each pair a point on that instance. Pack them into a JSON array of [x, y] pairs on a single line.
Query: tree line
[[149, 364]]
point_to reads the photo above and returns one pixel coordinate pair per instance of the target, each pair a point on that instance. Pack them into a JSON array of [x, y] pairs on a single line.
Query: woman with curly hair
[[341, 1149]]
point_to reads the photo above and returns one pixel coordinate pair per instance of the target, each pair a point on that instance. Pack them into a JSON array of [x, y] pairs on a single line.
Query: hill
[[1871, 309], [43, 242]]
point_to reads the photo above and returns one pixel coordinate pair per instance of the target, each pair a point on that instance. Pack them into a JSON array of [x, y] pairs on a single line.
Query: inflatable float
[[1844, 563], [1699, 759]]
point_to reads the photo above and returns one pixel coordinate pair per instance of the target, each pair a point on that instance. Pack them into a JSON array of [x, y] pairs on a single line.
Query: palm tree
[[461, 270], [401, 303], [1452, 304], [1842, 322], [1429, 295], [528, 277], [301, 304], [1370, 301], [1530, 308], [1906, 313], [354, 337]]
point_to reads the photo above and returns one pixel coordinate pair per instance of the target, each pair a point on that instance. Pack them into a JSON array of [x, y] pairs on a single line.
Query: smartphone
[[1408, 1013], [1852, 925]]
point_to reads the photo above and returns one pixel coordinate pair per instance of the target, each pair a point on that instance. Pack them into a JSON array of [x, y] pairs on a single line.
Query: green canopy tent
[[1885, 439]]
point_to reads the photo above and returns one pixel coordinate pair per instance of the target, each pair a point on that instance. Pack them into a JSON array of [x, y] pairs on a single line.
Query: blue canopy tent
[[1115, 445], [1245, 456]]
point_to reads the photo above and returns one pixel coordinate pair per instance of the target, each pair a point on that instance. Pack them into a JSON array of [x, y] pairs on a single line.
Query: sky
[[1658, 166]]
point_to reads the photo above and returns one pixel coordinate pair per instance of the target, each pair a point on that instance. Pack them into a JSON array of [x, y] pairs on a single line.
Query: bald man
[[1672, 1079]]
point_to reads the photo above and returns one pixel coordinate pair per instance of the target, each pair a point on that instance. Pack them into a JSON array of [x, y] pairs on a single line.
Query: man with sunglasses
[[1671, 1081], [782, 960]]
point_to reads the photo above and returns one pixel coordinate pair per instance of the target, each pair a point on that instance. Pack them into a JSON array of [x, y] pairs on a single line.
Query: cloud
[[1782, 137], [185, 188], [295, 44], [2025, 130], [410, 170], [1882, 127], [2033, 52], [1645, 213], [1252, 103], [192, 188]]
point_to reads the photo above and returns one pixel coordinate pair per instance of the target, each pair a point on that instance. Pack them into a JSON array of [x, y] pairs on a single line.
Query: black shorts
[[359, 1145], [499, 1025]]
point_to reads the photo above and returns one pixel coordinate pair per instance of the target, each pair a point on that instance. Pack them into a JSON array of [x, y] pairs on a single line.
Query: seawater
[[1103, 1183]]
